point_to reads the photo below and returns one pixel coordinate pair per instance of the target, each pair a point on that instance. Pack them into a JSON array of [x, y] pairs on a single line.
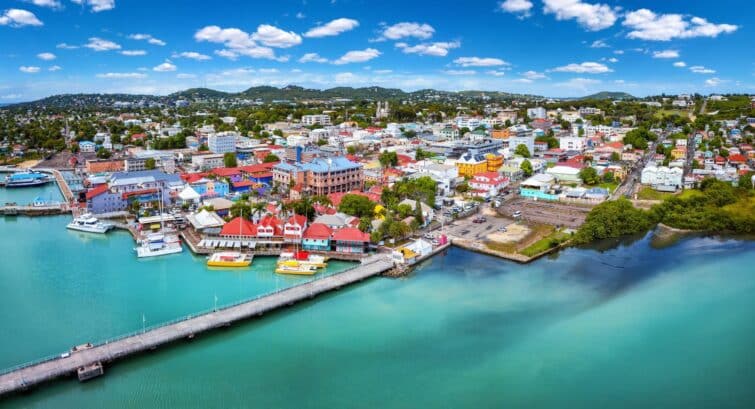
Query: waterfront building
[[471, 163], [294, 228], [321, 176], [351, 240], [124, 188], [222, 142], [317, 237], [321, 119]]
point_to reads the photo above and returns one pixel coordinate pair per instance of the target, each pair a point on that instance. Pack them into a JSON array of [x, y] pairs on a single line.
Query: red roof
[[100, 189], [225, 172], [274, 222], [489, 175], [318, 231], [243, 183], [299, 219], [192, 177], [350, 234], [258, 168], [737, 158], [126, 195], [239, 227]]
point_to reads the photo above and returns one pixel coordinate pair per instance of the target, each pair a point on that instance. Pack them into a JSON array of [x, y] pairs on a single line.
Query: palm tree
[[258, 208]]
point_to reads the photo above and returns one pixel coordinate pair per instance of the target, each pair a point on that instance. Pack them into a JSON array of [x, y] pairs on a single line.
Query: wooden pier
[[88, 362]]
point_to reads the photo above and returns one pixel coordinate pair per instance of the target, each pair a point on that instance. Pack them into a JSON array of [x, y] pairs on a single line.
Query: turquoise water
[[26, 195], [624, 328]]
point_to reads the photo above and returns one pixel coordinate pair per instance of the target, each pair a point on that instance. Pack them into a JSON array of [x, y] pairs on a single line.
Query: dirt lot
[[60, 160], [553, 213]]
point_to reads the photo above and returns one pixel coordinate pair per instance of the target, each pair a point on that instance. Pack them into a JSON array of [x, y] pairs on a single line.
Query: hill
[[609, 95]]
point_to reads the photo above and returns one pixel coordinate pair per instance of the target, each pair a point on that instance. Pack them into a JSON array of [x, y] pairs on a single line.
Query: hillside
[[609, 95]]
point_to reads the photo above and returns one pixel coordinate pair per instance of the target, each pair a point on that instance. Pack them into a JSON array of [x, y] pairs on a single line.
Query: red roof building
[[318, 231], [238, 228], [100, 189], [226, 172], [270, 226], [294, 227], [351, 240]]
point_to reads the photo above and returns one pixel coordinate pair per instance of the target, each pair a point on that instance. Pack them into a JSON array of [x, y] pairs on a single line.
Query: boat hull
[[97, 230], [299, 272], [142, 252], [27, 184], [211, 263]]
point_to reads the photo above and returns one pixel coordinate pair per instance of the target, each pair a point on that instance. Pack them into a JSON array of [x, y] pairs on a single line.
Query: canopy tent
[[189, 195]]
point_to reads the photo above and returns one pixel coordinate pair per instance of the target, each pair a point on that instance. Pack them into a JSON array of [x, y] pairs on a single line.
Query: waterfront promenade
[[29, 375]]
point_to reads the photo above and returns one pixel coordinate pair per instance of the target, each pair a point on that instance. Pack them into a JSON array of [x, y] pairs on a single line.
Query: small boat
[[305, 258], [229, 259], [27, 179], [158, 244], [90, 224], [296, 268]]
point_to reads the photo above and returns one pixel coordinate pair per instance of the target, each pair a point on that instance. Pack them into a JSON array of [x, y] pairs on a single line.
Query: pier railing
[[175, 320]]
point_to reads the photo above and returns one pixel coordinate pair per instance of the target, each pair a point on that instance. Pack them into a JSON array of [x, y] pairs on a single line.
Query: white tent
[[189, 195]]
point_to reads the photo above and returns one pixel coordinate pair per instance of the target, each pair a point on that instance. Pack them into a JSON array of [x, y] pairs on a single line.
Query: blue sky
[[546, 47]]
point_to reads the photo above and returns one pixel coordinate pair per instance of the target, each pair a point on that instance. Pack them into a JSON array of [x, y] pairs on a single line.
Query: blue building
[[124, 188]]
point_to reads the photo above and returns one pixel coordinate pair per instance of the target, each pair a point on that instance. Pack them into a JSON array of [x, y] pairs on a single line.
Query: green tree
[[526, 168], [103, 153], [150, 163], [388, 159], [229, 160], [615, 157], [270, 158], [589, 175], [522, 151], [356, 205], [203, 148], [613, 218]]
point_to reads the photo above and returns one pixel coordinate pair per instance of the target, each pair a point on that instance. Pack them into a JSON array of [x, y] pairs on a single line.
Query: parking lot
[[467, 229], [553, 213]]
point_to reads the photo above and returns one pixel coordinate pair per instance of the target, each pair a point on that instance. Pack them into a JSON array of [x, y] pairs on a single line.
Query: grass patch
[[611, 187], [648, 193], [509, 247], [547, 242]]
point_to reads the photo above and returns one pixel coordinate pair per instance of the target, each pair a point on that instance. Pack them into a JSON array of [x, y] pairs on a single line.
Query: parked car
[[517, 213]]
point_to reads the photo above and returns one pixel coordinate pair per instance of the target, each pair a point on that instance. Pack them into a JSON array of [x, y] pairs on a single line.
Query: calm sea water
[[624, 328], [26, 195]]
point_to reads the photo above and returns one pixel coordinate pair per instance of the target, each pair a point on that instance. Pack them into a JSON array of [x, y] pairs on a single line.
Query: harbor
[[24, 377]]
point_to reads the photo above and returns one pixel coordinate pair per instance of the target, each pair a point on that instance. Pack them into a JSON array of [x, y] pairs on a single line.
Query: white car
[[517, 213]]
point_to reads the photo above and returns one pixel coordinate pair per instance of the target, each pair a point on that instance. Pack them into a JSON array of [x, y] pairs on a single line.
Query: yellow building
[[494, 162], [679, 153], [471, 163], [500, 133]]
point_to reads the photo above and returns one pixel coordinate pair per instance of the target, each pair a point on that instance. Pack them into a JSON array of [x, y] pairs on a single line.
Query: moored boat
[[90, 224], [26, 179], [229, 259], [158, 244], [304, 258], [296, 268]]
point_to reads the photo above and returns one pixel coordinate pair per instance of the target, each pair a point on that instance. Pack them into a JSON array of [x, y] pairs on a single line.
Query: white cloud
[[19, 18], [55, 68], [521, 7], [584, 68], [148, 38], [357, 56], [268, 70], [332, 28], [479, 62], [523, 80], [133, 53], [712, 82], [666, 54], [272, 36], [97, 5], [699, 69], [680, 64], [460, 72], [122, 75], [28, 69], [237, 43], [593, 17], [65, 46], [382, 71], [438, 49], [613, 60], [165, 67], [599, 44], [300, 15], [406, 30], [53, 4], [192, 55], [312, 57], [647, 25], [46, 56], [496, 73], [619, 52], [99, 44], [533, 75], [184, 76]]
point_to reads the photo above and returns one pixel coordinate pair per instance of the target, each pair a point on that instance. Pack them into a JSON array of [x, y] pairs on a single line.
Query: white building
[[571, 143], [536, 113], [662, 177], [222, 142], [528, 141], [310, 120], [207, 161]]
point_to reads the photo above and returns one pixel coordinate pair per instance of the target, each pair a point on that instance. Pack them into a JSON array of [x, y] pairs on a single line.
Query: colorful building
[[494, 162], [317, 237], [351, 240], [471, 163]]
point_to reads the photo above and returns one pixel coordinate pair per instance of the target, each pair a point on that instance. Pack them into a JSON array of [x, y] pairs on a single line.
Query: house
[[351, 240], [334, 221], [488, 184], [239, 228], [269, 227], [294, 228], [471, 163], [221, 205], [317, 237], [412, 252], [87, 146]]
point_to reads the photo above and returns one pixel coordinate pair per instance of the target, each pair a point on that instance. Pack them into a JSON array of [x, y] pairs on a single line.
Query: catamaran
[[26, 179], [295, 267], [229, 259], [158, 244], [90, 224], [304, 258]]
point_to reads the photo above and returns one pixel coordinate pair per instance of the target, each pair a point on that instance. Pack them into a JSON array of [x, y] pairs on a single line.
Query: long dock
[[29, 375]]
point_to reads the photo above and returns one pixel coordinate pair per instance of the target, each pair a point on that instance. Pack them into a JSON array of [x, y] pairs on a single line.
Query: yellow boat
[[229, 259], [304, 258], [295, 267]]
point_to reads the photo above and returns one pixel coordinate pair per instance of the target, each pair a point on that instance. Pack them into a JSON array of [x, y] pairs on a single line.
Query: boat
[[229, 259], [305, 258], [90, 224], [26, 179], [295, 268], [158, 244]]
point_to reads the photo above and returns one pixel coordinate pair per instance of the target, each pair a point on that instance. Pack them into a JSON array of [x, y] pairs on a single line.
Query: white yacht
[[89, 224], [158, 244]]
